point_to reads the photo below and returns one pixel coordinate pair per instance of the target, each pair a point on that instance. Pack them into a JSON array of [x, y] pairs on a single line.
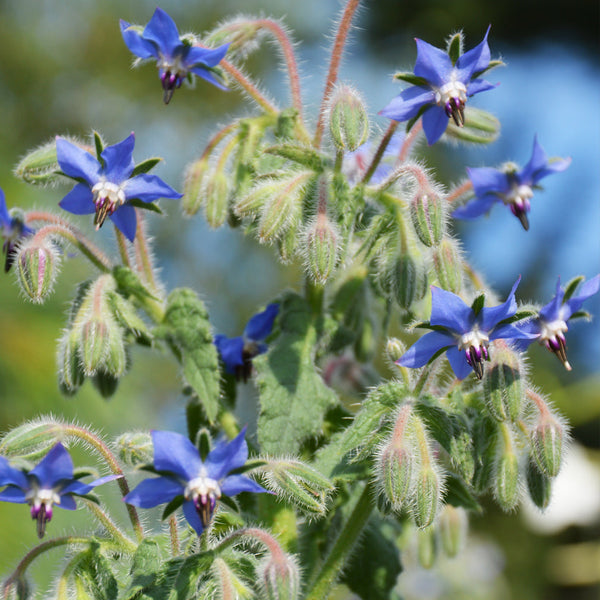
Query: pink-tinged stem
[[334, 65], [409, 140], [459, 191], [248, 86], [380, 150]]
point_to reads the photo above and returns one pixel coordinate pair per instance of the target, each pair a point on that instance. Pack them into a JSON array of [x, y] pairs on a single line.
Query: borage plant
[[358, 455]]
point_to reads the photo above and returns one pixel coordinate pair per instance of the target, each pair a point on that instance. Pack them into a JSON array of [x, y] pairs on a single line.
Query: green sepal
[[302, 155], [571, 287], [580, 314], [145, 205], [251, 464], [171, 507], [455, 44], [410, 77], [492, 65], [478, 304], [519, 316], [99, 145], [145, 166], [203, 443]]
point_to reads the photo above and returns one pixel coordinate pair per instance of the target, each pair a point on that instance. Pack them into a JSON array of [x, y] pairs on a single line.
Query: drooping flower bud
[[408, 279], [32, 440], [321, 248], [428, 217], [134, 448], [394, 349], [216, 202], [70, 368], [427, 546], [506, 471], [193, 191], [348, 120], [280, 578], [447, 264], [547, 444], [40, 166], [37, 265], [503, 384], [427, 496], [539, 486], [453, 525]]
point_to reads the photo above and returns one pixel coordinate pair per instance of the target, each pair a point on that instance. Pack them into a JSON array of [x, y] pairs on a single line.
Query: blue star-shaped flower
[[441, 88], [550, 326], [199, 483], [509, 186], [108, 185], [50, 482], [175, 57], [12, 230], [463, 332], [237, 353]]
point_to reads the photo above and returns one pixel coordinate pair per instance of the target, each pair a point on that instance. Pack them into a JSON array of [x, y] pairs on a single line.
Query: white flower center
[[519, 195], [108, 197], [452, 89], [204, 493], [473, 339], [38, 496], [553, 329]]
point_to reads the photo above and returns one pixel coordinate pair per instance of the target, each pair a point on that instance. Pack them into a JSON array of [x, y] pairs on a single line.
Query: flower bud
[[480, 127], [32, 440], [453, 529], [105, 383], [40, 166], [427, 547], [280, 578], [102, 346], [447, 264], [394, 349], [506, 469], [547, 445], [37, 266], [409, 280], [193, 192], [241, 34], [135, 448], [321, 247], [427, 497], [502, 384], [216, 202], [539, 486], [348, 120], [396, 467], [70, 368], [428, 218]]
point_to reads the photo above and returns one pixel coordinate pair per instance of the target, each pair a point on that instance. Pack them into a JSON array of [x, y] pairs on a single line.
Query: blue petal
[[424, 348], [209, 57], [4, 215], [407, 104], [538, 166], [435, 122], [514, 332], [589, 288], [208, 76], [136, 43], [13, 494], [490, 317], [147, 188], [238, 483], [56, 465], [176, 454], [458, 362], [152, 492], [80, 488], [125, 220], [191, 514], [118, 160], [67, 502], [449, 310], [551, 311], [531, 330], [231, 351], [227, 456], [432, 64], [77, 162], [12, 476], [486, 180], [479, 85], [260, 325], [79, 201], [475, 208], [162, 30], [475, 60]]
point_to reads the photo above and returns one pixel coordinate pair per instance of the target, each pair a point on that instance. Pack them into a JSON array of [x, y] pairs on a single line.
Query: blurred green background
[[65, 70]]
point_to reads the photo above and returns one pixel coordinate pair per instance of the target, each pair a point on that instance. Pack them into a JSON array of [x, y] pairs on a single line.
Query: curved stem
[[217, 138], [75, 237], [113, 465], [459, 191], [409, 140], [474, 277], [342, 547], [110, 525], [248, 86], [334, 65], [62, 590], [380, 150], [122, 245]]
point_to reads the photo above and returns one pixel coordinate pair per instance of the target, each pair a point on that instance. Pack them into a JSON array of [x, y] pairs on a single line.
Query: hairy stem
[[409, 140], [110, 525], [341, 549], [174, 535], [459, 191], [122, 245], [334, 65], [380, 150], [248, 86], [142, 253]]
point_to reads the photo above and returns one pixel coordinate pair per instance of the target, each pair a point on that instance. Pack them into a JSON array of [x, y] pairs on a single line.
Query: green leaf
[[457, 493], [442, 425], [144, 568], [145, 205], [373, 570], [187, 329], [145, 166], [293, 397], [94, 570], [129, 284], [410, 77]]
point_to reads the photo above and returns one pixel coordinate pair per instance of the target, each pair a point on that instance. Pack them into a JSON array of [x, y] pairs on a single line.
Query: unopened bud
[[447, 264], [321, 247], [193, 190], [409, 280], [40, 166], [547, 445], [102, 346], [216, 202], [480, 127], [506, 472], [241, 34], [394, 349], [135, 448], [427, 546], [453, 529], [427, 215], [37, 266], [280, 578], [105, 383], [17, 588], [348, 120], [502, 384], [251, 204], [427, 497], [70, 368], [32, 440], [396, 466], [539, 486]]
